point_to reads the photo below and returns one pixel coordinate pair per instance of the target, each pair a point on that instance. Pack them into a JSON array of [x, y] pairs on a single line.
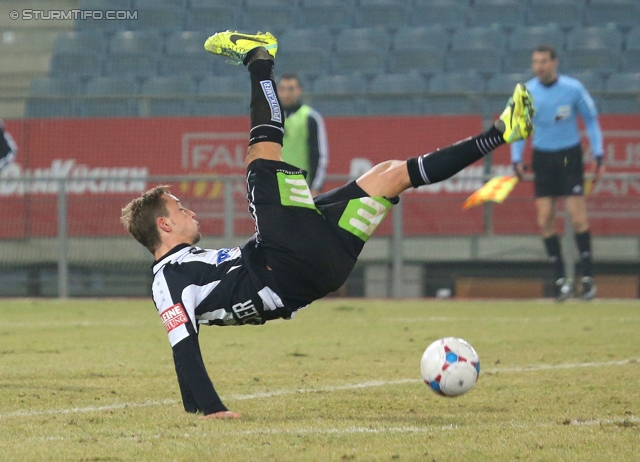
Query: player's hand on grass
[[222, 415]]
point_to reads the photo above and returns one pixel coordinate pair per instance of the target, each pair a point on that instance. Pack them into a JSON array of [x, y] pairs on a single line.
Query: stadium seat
[[105, 25], [153, 15], [590, 79], [326, 13], [454, 93], [361, 50], [419, 48], [226, 95], [506, 13], [524, 39], [622, 95], [396, 94], [52, 97], [622, 13], [335, 95], [184, 55], [499, 89], [213, 15], [447, 13], [593, 48], [80, 42], [304, 51], [269, 15], [134, 53], [631, 55], [110, 97], [564, 13], [476, 48], [78, 54], [167, 96], [387, 13]]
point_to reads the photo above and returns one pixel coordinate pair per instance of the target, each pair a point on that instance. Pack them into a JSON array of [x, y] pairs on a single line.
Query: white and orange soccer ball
[[450, 366]]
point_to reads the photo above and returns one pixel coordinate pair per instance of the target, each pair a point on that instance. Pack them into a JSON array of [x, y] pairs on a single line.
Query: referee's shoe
[[236, 45], [517, 115]]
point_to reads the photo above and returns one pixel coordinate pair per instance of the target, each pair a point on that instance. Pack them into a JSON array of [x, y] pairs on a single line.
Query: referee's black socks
[[583, 241], [446, 162], [267, 119], [554, 253]]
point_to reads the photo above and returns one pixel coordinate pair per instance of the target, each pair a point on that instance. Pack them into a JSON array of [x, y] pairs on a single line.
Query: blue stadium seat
[[396, 94], [226, 95], [387, 13], [454, 93], [447, 13], [499, 89], [335, 95], [184, 55], [156, 16], [168, 96], [134, 53], [326, 13], [269, 15], [361, 50], [213, 15], [52, 97], [631, 55], [622, 94], [110, 97], [592, 81], [506, 13], [476, 48], [419, 48], [105, 25], [593, 48], [564, 13], [89, 41], [304, 51], [524, 39], [78, 54], [619, 12]]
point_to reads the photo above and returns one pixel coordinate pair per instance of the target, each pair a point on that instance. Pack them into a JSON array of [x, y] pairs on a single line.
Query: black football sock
[[583, 240], [446, 162], [552, 244], [267, 120]]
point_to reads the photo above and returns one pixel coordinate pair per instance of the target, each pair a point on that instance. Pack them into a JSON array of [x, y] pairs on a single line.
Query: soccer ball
[[450, 366]]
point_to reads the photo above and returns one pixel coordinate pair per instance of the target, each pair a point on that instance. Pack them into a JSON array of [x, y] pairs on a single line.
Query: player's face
[[544, 67], [289, 91], [183, 221]]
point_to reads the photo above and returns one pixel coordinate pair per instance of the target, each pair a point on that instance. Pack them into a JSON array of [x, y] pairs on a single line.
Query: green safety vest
[[295, 149]]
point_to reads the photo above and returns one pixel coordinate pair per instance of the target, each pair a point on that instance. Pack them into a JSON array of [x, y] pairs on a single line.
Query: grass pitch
[[93, 380]]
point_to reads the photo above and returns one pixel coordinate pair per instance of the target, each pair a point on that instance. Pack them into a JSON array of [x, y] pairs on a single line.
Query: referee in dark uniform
[[557, 162], [304, 247]]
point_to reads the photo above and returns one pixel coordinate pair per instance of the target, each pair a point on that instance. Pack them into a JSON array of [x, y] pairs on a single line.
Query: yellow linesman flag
[[496, 189]]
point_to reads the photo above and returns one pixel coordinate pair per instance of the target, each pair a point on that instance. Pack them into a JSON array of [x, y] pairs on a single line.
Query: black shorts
[[310, 245], [558, 173]]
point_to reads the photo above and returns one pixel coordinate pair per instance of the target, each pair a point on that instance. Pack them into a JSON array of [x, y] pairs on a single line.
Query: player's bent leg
[[386, 179], [264, 150]]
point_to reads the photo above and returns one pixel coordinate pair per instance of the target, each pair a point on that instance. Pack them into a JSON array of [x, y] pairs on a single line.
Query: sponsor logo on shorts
[[270, 94], [174, 317]]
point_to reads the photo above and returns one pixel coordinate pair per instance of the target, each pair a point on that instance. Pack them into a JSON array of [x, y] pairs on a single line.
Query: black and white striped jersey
[[8, 148], [193, 287]]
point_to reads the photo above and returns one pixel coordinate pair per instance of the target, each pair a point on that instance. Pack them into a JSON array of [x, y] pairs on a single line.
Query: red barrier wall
[[134, 149]]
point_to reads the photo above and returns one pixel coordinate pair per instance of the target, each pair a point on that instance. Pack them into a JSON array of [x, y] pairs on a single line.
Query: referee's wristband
[[599, 161]]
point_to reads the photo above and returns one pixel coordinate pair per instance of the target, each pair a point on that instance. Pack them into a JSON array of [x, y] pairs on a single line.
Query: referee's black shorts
[[311, 245], [558, 173]]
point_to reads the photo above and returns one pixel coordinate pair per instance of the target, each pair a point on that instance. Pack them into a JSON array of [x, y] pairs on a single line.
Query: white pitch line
[[271, 394]]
